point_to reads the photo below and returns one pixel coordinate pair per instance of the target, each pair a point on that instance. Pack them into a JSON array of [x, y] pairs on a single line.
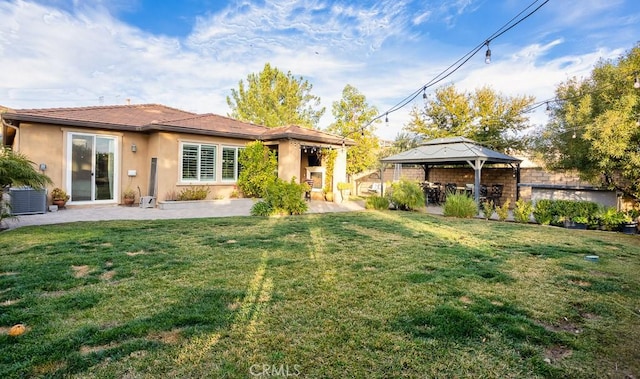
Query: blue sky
[[189, 54]]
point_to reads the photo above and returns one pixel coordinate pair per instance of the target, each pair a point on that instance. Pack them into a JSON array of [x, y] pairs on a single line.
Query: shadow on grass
[[199, 311], [472, 322]]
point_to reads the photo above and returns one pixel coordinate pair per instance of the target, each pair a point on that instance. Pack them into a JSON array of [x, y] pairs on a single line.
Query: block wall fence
[[490, 175]]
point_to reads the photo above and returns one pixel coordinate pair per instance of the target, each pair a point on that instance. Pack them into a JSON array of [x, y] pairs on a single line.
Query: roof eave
[[66, 122], [204, 132]]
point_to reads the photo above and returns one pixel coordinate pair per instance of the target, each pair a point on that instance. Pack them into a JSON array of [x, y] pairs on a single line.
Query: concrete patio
[[219, 208]]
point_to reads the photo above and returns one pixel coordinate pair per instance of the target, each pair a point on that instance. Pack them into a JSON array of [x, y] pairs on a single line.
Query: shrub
[[261, 208], [543, 212], [377, 202], [522, 211], [194, 193], [503, 211], [259, 169], [406, 195], [610, 218], [282, 197], [487, 209], [459, 205]]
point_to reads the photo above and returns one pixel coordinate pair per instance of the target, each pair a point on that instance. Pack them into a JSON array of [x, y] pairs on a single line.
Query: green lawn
[[362, 295]]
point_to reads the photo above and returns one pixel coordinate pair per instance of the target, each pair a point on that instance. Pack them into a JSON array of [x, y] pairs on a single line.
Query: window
[[230, 166], [198, 162]]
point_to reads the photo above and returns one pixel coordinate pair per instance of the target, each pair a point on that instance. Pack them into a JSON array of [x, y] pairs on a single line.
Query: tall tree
[[352, 116], [595, 125], [273, 98], [485, 116]]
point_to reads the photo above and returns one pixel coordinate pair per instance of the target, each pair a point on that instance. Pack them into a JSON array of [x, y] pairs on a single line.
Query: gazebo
[[455, 151]]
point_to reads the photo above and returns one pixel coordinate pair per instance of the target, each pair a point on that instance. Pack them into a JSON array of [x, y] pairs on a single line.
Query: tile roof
[[113, 116], [155, 117], [210, 124]]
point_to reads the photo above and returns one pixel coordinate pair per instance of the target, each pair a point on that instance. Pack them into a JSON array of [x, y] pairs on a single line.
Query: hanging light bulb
[[548, 109], [636, 83], [424, 92], [574, 135], [487, 55], [386, 118]]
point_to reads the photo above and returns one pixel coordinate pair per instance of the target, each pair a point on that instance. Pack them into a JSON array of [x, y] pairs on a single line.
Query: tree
[[259, 169], [404, 141], [595, 126], [273, 98], [17, 170], [484, 116], [352, 115]]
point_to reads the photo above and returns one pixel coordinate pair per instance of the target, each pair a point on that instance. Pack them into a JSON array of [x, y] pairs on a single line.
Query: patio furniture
[[374, 188], [432, 193], [483, 193], [468, 189], [496, 194]]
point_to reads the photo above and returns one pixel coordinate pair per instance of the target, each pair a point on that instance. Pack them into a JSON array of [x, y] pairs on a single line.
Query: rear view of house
[[96, 153]]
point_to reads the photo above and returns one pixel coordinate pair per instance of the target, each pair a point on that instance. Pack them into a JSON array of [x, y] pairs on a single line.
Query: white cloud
[[68, 53]]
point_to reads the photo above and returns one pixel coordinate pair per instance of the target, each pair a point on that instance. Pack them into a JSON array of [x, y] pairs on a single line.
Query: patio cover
[[455, 151]]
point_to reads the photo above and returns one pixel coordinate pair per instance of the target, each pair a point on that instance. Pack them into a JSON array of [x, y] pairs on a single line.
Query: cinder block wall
[[490, 175]]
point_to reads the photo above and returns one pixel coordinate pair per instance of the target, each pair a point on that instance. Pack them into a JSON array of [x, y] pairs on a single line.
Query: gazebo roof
[[450, 151]]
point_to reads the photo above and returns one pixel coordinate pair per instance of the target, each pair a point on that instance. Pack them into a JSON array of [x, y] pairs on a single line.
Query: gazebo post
[[477, 168]]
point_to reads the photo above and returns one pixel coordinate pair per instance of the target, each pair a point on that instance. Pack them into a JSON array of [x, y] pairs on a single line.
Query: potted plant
[[629, 225], [59, 197], [129, 196], [580, 222]]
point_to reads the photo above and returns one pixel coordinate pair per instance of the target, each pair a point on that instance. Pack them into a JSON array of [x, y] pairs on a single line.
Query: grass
[[371, 294]]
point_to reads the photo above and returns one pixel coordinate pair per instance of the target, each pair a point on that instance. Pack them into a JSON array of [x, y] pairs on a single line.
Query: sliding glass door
[[92, 170]]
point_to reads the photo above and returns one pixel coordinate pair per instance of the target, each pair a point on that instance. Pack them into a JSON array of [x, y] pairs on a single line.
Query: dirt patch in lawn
[[580, 283], [48, 368], [134, 253], [7, 303], [108, 275], [8, 273], [81, 271], [563, 325], [169, 337], [557, 353], [465, 300], [86, 350]]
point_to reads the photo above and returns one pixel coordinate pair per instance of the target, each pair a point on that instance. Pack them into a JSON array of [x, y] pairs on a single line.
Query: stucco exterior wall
[[44, 143]]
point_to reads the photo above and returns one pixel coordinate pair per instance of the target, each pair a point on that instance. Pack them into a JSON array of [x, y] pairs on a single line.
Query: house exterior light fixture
[[134, 148]]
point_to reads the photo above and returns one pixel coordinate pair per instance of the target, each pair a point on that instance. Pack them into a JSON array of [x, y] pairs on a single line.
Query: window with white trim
[[198, 162], [230, 166]]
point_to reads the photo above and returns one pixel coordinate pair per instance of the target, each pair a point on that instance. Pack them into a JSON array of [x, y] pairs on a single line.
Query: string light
[[487, 55], [548, 109], [386, 117], [636, 82], [520, 17]]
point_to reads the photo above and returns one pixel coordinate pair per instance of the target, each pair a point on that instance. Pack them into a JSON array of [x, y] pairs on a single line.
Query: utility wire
[[460, 62]]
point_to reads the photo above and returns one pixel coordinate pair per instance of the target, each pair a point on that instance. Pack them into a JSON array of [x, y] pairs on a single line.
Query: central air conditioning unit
[[27, 201]]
